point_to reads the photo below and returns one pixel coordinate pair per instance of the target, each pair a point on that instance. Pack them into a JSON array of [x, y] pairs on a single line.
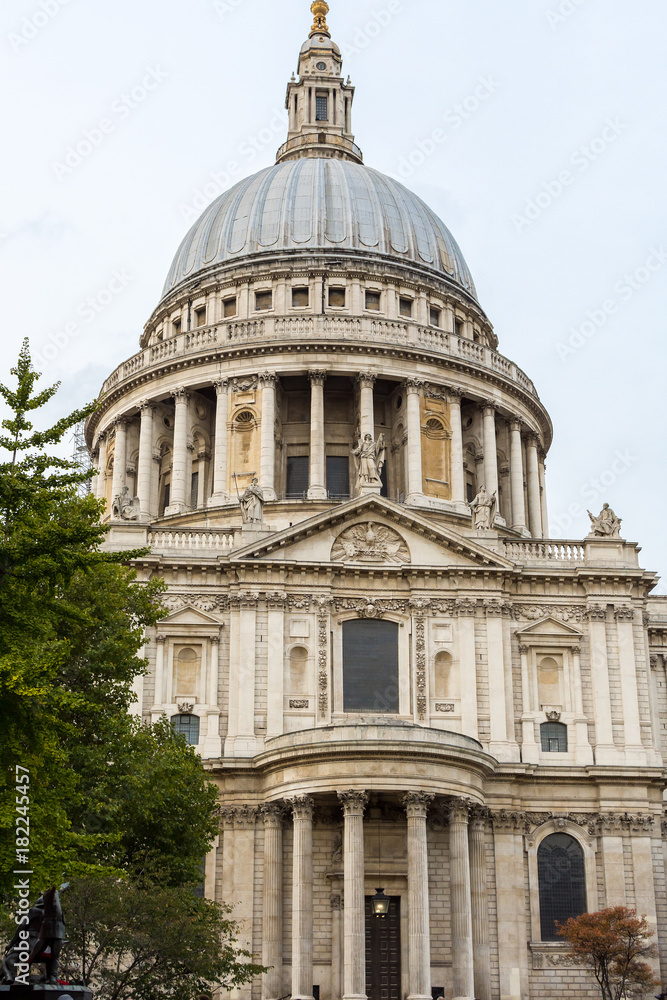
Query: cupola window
[[200, 316], [373, 301], [263, 301], [435, 316], [321, 108], [176, 325], [458, 327], [405, 307], [337, 297], [300, 298], [229, 307]]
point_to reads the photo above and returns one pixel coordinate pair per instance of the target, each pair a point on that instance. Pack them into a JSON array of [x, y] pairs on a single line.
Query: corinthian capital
[[317, 377], [302, 806], [417, 803], [353, 803], [366, 379]]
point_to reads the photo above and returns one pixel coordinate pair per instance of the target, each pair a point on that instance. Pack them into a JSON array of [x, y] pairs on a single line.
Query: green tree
[[613, 944]]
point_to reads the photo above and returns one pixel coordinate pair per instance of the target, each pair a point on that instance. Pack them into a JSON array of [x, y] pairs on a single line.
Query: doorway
[[383, 952]]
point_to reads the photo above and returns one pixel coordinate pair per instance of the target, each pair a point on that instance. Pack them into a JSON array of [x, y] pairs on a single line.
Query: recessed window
[[321, 108], [435, 316], [337, 297], [553, 737], [297, 477], [263, 300], [229, 307], [338, 477], [194, 490], [200, 316], [176, 326], [404, 307], [373, 301], [561, 874], [370, 666], [300, 298], [166, 495], [321, 66], [458, 327], [188, 726]]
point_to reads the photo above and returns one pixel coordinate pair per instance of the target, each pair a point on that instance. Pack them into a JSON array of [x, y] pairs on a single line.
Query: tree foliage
[[613, 943], [129, 941]]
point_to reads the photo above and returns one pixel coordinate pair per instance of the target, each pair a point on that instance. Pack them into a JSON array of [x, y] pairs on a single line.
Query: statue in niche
[[125, 507], [483, 509], [252, 503], [607, 525], [370, 456]]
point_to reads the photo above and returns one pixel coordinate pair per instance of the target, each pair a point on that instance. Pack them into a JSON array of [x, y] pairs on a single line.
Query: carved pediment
[[370, 542], [189, 615], [549, 630]]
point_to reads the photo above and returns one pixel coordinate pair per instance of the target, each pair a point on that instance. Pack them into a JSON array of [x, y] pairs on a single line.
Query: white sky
[[556, 71]]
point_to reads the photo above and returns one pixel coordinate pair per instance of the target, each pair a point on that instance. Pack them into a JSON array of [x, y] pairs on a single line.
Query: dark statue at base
[[38, 940]]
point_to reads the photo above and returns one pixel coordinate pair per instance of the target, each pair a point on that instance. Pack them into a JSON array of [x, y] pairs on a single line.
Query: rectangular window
[[405, 307], [373, 301], [229, 307], [263, 300], [176, 327], [435, 316], [194, 490], [297, 476], [338, 477], [458, 327], [300, 298], [337, 297], [370, 666], [321, 108], [200, 316], [166, 491]]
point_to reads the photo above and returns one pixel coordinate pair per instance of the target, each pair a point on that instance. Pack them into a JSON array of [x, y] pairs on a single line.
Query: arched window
[[298, 670], [562, 882], [370, 666], [188, 725], [553, 736]]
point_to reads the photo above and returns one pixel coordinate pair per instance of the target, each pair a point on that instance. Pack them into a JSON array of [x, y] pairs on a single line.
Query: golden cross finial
[[320, 9]]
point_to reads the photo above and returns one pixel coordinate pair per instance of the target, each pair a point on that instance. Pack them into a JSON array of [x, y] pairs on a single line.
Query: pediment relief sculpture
[[370, 543]]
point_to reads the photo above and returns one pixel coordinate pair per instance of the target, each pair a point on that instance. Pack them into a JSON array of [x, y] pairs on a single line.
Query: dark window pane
[[370, 666], [188, 725], [263, 300], [199, 891], [230, 307], [373, 301], [405, 307], [297, 476], [321, 109], [435, 316], [553, 736], [338, 476], [299, 297], [562, 881], [194, 490], [166, 491], [337, 297]]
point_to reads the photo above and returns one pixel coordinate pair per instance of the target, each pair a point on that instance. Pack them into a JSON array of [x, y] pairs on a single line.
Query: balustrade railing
[[205, 540], [545, 550]]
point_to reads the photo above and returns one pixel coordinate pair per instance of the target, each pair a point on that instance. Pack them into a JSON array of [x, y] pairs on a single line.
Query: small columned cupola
[[320, 102]]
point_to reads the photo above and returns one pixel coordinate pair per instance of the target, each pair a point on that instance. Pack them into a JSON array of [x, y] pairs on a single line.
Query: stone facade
[[274, 364]]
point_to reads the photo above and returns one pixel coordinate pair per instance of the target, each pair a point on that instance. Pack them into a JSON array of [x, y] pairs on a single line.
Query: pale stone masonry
[[388, 691]]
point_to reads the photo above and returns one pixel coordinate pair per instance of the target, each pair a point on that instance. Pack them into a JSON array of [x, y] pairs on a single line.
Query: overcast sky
[[535, 129]]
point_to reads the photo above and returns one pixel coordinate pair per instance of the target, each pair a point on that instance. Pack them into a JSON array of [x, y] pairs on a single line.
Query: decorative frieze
[[420, 662], [299, 703], [445, 706], [323, 660], [624, 614], [562, 612], [466, 607], [367, 608]]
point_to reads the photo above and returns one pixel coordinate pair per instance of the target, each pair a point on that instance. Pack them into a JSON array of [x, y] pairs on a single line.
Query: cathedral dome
[[316, 204]]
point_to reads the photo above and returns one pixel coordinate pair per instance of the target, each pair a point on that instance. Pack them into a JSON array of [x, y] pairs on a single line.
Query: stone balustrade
[[545, 551], [207, 542], [355, 329]]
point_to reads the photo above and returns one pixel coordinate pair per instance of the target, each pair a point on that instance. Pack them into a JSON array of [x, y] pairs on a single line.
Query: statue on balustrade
[[370, 456], [252, 503], [483, 509], [125, 507], [607, 525]]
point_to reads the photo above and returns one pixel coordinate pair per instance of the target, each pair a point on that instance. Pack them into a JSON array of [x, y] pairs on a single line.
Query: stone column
[[272, 914], [366, 381], [634, 750], [354, 973], [415, 485], [479, 905], [220, 494], [469, 720], [179, 485], [267, 462], [516, 476], [302, 899], [509, 863], [145, 468], [119, 458], [101, 483], [458, 473], [318, 479], [543, 494], [419, 945], [534, 505], [462, 953], [490, 449]]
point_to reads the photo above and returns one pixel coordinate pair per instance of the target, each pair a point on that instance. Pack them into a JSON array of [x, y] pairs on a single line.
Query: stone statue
[[607, 525], [252, 503], [483, 510], [370, 456], [45, 929], [125, 507]]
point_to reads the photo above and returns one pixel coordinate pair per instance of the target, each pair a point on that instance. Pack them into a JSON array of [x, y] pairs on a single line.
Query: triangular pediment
[[372, 532], [552, 627], [189, 615]]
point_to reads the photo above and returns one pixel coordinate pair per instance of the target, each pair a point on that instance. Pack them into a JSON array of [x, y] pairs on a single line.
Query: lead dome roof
[[315, 204]]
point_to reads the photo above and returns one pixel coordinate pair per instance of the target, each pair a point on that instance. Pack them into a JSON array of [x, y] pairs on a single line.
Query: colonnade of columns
[[469, 903], [526, 490]]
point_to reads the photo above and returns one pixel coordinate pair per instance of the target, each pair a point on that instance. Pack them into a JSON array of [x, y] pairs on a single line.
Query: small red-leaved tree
[[613, 944]]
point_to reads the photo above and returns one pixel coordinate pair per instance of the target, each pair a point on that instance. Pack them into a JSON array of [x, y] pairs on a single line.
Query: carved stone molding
[[221, 386], [366, 379], [370, 543], [186, 707], [299, 703], [244, 599], [299, 603], [317, 377], [323, 660], [267, 379], [302, 806], [459, 810], [160, 638], [354, 803], [497, 608], [336, 902], [414, 385], [445, 706], [244, 384], [203, 602], [276, 600], [147, 406], [479, 817], [624, 614], [240, 817], [420, 604], [465, 607], [420, 663], [596, 613], [273, 813], [367, 608], [563, 613], [180, 395], [417, 803]]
